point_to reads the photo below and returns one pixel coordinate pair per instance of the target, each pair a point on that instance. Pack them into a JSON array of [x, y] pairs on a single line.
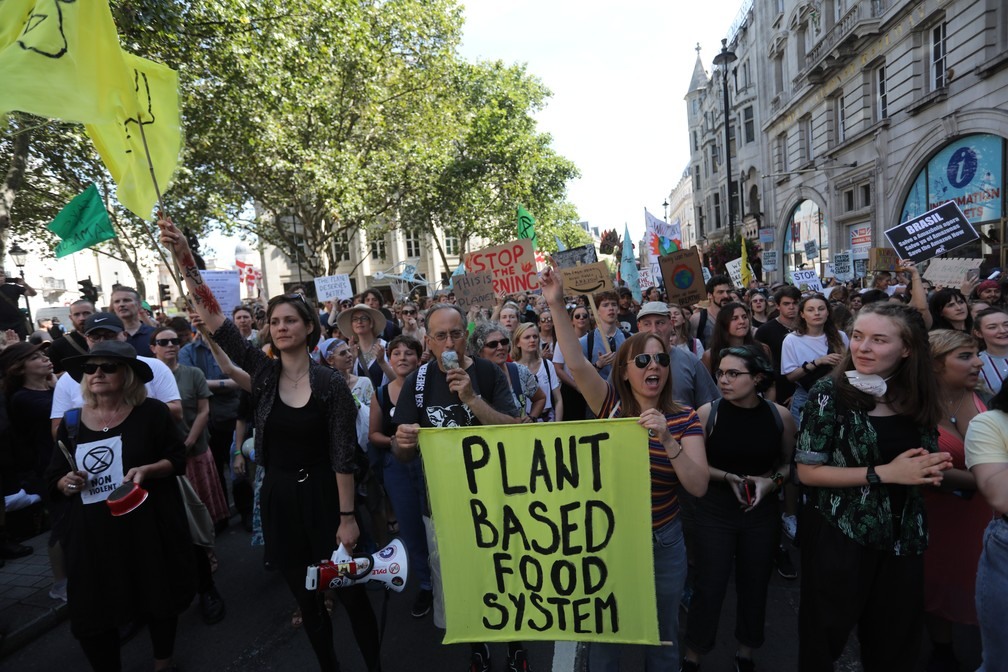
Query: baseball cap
[[654, 308], [103, 321]]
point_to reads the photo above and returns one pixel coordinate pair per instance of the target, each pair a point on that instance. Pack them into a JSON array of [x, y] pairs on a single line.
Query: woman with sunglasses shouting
[[749, 444], [641, 385], [306, 441]]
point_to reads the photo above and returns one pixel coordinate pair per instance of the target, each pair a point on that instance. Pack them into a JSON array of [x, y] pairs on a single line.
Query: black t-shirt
[[10, 313], [30, 412], [772, 333], [629, 319], [744, 440], [442, 408]]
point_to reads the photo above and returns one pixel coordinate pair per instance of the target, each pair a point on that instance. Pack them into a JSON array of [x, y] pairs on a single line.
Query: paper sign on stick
[[734, 268], [950, 272], [935, 232], [512, 264], [843, 266], [474, 289], [556, 520], [883, 259], [806, 281], [574, 256], [587, 278], [684, 278], [226, 287], [769, 260], [645, 278], [331, 287]]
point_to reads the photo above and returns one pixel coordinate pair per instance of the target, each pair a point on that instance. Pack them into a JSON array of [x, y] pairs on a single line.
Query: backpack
[[591, 342]]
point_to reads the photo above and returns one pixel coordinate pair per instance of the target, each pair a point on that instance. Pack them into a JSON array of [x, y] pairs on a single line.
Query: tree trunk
[[12, 183]]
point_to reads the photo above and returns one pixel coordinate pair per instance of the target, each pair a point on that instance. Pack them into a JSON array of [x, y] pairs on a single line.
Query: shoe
[[423, 603], [480, 661], [790, 525], [59, 590], [10, 550], [744, 664], [785, 567], [689, 666], [212, 606], [518, 662], [687, 597]]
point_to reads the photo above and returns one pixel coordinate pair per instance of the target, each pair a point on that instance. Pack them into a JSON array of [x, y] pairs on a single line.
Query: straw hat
[[345, 325]]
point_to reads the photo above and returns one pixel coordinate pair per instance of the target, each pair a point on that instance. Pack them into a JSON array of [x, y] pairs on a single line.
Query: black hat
[[16, 352], [103, 321], [116, 350]]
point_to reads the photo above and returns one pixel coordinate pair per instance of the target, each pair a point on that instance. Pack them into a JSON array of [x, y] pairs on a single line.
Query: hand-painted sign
[[512, 264]]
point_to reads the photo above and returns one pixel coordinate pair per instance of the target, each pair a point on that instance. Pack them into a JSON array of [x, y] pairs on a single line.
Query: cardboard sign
[[950, 272], [883, 259], [769, 260], [474, 289], [587, 278], [683, 276], [645, 278], [226, 288], [843, 266], [575, 256], [556, 520], [330, 287], [935, 232], [766, 236], [806, 280], [512, 264], [811, 249]]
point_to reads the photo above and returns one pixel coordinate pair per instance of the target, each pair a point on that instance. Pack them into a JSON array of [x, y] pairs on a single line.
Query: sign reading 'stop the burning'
[[512, 264]]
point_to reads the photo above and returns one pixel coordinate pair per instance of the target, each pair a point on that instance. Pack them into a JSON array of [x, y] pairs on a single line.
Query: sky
[[619, 73]]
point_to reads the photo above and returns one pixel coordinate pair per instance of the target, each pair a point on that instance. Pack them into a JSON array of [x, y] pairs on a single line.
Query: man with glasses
[[73, 343], [472, 392], [107, 327]]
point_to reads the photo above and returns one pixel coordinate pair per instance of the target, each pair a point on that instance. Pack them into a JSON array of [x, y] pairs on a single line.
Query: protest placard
[[474, 289], [734, 268], [937, 231], [587, 278], [333, 287], [769, 260], [557, 519], [226, 288], [806, 280], [950, 272], [574, 256], [811, 249], [645, 278], [843, 266], [860, 268], [512, 264], [883, 259], [683, 276]]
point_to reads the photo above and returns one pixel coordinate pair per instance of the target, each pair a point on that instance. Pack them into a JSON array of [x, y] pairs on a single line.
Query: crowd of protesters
[[868, 427]]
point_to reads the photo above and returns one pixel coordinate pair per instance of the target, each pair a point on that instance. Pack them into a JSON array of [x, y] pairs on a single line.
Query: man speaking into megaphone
[[452, 390]]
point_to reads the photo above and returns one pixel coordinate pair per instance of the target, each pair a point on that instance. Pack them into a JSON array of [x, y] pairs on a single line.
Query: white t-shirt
[[987, 439], [548, 381], [798, 349], [162, 387]]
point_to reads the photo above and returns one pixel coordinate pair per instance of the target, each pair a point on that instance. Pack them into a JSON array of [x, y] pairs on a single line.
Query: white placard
[[101, 462], [806, 280], [843, 266], [645, 277], [226, 288], [769, 260], [734, 268], [811, 249], [331, 287]]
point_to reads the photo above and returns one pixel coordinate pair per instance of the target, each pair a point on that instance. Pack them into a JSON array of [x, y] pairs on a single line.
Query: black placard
[[937, 231]]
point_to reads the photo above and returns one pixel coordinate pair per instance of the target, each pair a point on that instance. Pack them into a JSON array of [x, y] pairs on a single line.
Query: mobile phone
[[994, 276], [973, 274], [748, 490]]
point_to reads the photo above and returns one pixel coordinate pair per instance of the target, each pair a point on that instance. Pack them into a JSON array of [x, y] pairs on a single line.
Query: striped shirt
[[664, 503], [994, 371]]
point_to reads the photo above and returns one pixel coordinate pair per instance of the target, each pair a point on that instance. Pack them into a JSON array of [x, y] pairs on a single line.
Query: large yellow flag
[[155, 104], [60, 59]]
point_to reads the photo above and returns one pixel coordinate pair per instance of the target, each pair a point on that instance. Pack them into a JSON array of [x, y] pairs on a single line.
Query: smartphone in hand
[[748, 490]]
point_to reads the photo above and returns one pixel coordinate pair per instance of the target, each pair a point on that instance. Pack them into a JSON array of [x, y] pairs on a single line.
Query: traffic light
[[88, 290], [164, 292]]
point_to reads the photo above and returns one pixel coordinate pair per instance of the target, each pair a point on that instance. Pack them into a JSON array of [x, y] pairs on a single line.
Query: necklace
[[109, 422], [294, 380], [952, 418]]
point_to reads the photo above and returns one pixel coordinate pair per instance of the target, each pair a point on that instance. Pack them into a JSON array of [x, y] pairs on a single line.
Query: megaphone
[[388, 566]]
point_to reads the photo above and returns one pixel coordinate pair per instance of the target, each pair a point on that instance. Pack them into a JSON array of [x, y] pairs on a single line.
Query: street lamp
[[665, 205], [20, 258], [724, 59]]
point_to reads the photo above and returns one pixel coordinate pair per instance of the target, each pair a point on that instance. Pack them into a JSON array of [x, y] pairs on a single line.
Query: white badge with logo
[[101, 461]]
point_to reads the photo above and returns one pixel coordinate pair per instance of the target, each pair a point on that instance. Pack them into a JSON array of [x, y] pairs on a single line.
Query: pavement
[[26, 610]]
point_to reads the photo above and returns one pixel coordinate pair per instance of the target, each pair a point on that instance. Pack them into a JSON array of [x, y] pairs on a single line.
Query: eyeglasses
[[493, 345], [345, 304], [91, 368], [545, 319], [642, 360], [360, 318], [730, 374], [167, 341], [409, 312], [583, 316], [442, 336], [102, 335]]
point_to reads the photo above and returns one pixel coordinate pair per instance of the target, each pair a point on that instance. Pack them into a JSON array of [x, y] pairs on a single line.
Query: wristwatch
[[873, 478]]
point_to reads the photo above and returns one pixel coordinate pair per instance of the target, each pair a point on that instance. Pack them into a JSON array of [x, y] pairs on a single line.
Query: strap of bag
[[516, 385], [712, 416]]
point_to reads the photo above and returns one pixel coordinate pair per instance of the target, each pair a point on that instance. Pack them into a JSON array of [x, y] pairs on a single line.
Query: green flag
[[82, 223], [526, 227]]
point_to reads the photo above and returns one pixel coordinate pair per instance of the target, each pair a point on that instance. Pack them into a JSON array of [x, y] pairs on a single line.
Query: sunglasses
[[409, 312], [580, 317], [642, 360], [345, 304], [91, 368], [493, 345], [163, 342]]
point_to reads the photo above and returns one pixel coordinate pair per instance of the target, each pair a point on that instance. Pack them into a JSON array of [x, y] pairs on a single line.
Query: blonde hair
[[134, 392], [516, 351], [944, 341]]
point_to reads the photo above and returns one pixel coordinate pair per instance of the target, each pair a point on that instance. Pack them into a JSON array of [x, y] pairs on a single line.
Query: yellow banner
[[153, 102], [544, 531]]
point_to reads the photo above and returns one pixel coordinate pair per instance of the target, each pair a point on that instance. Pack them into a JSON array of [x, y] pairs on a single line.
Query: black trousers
[[844, 585], [102, 650], [726, 537]]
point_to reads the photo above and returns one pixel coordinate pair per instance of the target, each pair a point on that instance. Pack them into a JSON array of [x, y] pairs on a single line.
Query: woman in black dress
[[305, 440]]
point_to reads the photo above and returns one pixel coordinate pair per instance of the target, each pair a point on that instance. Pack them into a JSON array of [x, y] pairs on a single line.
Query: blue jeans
[[407, 488], [670, 578], [798, 400], [992, 596]]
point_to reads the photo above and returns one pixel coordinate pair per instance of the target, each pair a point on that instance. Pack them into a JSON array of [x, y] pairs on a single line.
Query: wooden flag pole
[[605, 340]]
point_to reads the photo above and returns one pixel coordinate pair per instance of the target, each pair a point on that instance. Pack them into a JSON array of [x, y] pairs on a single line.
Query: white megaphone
[[388, 566]]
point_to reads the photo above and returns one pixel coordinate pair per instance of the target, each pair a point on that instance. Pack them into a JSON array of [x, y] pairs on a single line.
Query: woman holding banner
[[641, 385]]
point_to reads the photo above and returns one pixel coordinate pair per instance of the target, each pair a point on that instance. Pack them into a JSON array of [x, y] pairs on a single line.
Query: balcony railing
[[864, 13]]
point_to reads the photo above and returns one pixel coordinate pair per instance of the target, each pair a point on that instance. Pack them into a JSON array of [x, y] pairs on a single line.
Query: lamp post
[[20, 258], [665, 205], [724, 59]]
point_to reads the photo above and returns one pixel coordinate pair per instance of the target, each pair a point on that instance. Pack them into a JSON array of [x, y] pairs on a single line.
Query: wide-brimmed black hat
[[18, 351], [114, 350]]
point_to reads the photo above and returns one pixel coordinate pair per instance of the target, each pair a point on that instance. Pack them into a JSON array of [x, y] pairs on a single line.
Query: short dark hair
[[307, 314], [719, 279], [607, 295], [157, 332], [874, 295], [247, 309], [404, 339], [375, 293], [179, 323], [124, 288], [787, 291]]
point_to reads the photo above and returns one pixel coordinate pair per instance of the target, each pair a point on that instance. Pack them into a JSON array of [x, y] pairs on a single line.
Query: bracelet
[[347, 513], [778, 479], [672, 457]]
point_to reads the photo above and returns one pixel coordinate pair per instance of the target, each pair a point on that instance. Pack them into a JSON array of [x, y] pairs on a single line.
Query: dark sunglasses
[[167, 341], [409, 312], [493, 345], [91, 368], [580, 317], [660, 358]]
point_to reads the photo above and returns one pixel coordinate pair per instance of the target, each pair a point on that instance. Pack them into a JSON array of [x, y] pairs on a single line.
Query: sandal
[[393, 526], [296, 619]]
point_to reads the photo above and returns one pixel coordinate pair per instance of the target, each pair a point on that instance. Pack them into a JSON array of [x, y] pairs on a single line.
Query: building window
[[848, 200], [865, 195], [714, 158], [779, 74], [451, 245], [341, 246], [746, 81], [700, 220], [881, 96], [378, 248], [808, 148], [696, 141], [412, 243], [749, 122], [717, 209], [840, 118], [938, 53], [780, 153], [696, 178]]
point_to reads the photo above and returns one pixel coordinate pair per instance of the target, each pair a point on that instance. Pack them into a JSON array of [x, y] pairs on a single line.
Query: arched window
[[805, 234]]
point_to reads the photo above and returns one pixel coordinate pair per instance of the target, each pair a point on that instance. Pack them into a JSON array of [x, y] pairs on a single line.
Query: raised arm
[[203, 299], [918, 297]]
